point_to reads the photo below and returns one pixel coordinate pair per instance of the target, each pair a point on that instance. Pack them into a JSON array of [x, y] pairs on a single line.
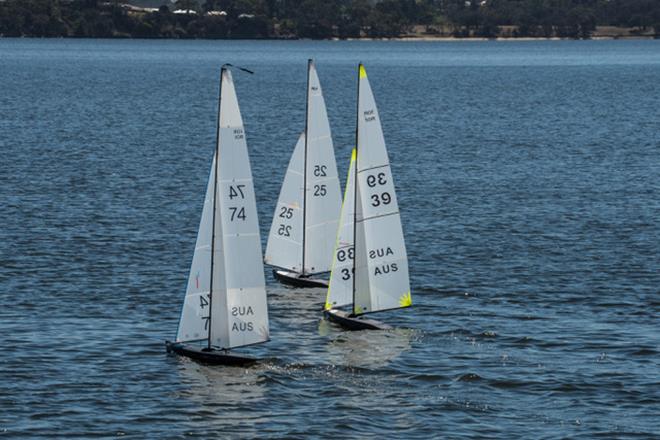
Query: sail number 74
[[237, 212]]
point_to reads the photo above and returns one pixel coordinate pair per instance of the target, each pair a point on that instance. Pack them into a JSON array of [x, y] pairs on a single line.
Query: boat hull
[[297, 280], [353, 323], [206, 356]]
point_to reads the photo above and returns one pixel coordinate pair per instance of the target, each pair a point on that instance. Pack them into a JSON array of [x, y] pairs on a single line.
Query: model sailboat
[[301, 239], [225, 304], [370, 266]]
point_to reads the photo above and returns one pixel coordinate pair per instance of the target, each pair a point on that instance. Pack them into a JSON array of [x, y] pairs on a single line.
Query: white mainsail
[[381, 265], [340, 289], [323, 195], [239, 313], [305, 222]]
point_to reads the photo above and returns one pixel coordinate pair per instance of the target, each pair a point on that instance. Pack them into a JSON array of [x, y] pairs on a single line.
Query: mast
[[355, 183], [215, 198], [304, 232]]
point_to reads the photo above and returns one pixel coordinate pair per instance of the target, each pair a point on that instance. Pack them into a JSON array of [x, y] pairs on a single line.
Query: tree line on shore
[[323, 18]]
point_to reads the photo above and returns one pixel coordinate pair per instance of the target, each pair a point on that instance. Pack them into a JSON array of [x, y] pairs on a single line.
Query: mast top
[[227, 65]]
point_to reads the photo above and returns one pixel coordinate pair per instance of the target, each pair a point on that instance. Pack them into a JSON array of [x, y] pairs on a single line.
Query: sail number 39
[[374, 180]]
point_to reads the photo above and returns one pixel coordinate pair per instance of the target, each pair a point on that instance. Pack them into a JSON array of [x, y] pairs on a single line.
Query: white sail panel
[[381, 278], [193, 324], [284, 248], [242, 312], [323, 194], [382, 281], [370, 132], [340, 289]]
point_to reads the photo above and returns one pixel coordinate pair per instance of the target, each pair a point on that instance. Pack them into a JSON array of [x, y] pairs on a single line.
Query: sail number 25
[[287, 214], [320, 190]]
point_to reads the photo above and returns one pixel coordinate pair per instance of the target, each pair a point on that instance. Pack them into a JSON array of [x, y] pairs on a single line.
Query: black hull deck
[[353, 323], [206, 356], [297, 280]]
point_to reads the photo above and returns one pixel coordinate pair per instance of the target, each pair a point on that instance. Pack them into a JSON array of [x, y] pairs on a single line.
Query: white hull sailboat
[[301, 239], [370, 265], [225, 304]]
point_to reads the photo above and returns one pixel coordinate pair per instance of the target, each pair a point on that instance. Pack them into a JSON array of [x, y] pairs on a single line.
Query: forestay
[[381, 264], [239, 314], [340, 289], [284, 248]]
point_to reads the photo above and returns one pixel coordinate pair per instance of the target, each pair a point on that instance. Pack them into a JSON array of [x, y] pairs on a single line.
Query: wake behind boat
[[225, 304], [370, 265], [301, 239]]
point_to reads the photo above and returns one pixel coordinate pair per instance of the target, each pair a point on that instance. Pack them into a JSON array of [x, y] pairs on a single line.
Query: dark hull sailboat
[[370, 265], [208, 356], [295, 279], [353, 322], [302, 233], [208, 330]]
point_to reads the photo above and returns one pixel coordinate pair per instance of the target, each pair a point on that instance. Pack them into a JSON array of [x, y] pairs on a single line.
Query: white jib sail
[[239, 314], [340, 289], [323, 194], [381, 264], [284, 248], [193, 324]]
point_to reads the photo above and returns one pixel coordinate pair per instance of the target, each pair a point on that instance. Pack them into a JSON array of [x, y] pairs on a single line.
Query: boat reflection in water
[[225, 397], [365, 349]]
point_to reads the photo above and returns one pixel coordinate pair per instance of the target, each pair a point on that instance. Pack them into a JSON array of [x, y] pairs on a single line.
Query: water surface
[[528, 181]]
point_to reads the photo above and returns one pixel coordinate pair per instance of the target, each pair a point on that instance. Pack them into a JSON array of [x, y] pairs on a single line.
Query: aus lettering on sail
[[242, 312], [384, 260]]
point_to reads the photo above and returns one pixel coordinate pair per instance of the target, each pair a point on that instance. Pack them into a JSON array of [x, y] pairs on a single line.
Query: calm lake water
[[528, 176]]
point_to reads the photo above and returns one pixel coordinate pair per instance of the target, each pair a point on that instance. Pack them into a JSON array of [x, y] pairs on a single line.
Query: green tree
[[192, 5]]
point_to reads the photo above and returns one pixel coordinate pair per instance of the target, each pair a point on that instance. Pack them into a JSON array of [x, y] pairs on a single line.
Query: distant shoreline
[[449, 39], [403, 38], [416, 34], [600, 33], [367, 20]]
